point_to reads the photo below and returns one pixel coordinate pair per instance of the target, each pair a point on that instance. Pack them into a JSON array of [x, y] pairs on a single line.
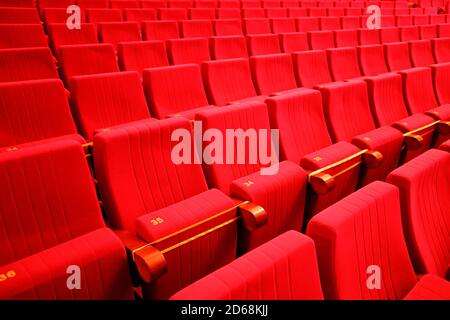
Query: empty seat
[[335, 12], [19, 16], [227, 27], [201, 13], [388, 108], [351, 22], [103, 15], [353, 11], [422, 184], [441, 50], [281, 25], [281, 192], [357, 125], [441, 78], [160, 30], [273, 74], [229, 81], [115, 32], [421, 53], [93, 3], [131, 204], [343, 63], [321, 40], [139, 15], [251, 4], [251, 13], [196, 28], [59, 15], [371, 60], [180, 4], [22, 36], [27, 64], [228, 47], [153, 4], [253, 269], [256, 26], [397, 56], [294, 41], [305, 24], [346, 38], [297, 12], [229, 4], [368, 36], [205, 4], [330, 23], [87, 59], [347, 257], [18, 3], [60, 35], [35, 110], [420, 20], [192, 50], [304, 140], [311, 68], [437, 19], [317, 12], [388, 35], [388, 21], [428, 32], [409, 34], [404, 21], [107, 100], [137, 56], [42, 4], [57, 231], [445, 146], [443, 30], [259, 44], [228, 13], [276, 13], [123, 4], [168, 94], [172, 14]]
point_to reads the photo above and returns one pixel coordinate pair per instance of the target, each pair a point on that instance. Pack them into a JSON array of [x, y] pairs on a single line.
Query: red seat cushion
[[430, 288]]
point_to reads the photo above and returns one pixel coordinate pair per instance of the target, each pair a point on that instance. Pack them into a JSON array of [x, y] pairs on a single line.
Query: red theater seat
[[280, 192], [168, 94], [18, 3], [139, 55], [124, 4], [93, 3], [441, 78], [421, 53], [273, 74], [357, 125], [101, 102], [228, 13], [55, 232], [35, 110], [294, 41], [443, 30], [256, 26], [295, 12], [132, 204], [281, 25], [252, 13], [343, 63], [228, 47], [346, 38], [59, 35], [311, 68], [368, 36], [388, 35], [371, 60], [423, 185], [227, 27], [192, 50], [330, 23], [321, 40], [304, 140], [22, 36], [397, 56], [180, 4], [441, 50], [172, 14], [103, 15], [409, 34], [19, 16], [27, 64], [260, 44], [347, 257], [351, 22], [245, 278], [59, 15], [155, 4], [139, 15], [428, 32], [160, 30], [404, 21], [196, 28], [116, 32], [276, 13], [305, 24], [86, 59], [201, 14]]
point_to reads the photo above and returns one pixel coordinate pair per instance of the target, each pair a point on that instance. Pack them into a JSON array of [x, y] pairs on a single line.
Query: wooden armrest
[[253, 216], [372, 159]]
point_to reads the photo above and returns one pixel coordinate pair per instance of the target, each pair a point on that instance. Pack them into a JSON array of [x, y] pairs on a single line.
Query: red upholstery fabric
[[423, 185], [103, 15], [294, 41], [227, 27], [359, 231], [22, 36], [256, 275], [397, 56], [250, 13], [160, 30], [77, 60], [368, 36], [311, 68], [321, 40], [60, 35], [115, 32], [445, 146], [409, 34], [58, 15], [229, 13], [273, 73], [17, 3], [93, 3], [139, 15], [27, 64], [261, 44], [428, 32], [168, 93], [201, 13], [54, 232], [388, 35], [282, 25], [404, 21], [305, 24], [228, 80], [196, 28], [330, 23], [34, 110], [18, 15], [371, 60], [441, 78], [256, 26], [140, 55], [421, 53], [351, 22], [343, 63], [105, 100], [430, 288], [441, 49], [184, 51], [228, 47], [121, 4], [346, 38]]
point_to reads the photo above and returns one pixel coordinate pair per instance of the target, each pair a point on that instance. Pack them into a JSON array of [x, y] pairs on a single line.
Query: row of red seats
[[68, 228]]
